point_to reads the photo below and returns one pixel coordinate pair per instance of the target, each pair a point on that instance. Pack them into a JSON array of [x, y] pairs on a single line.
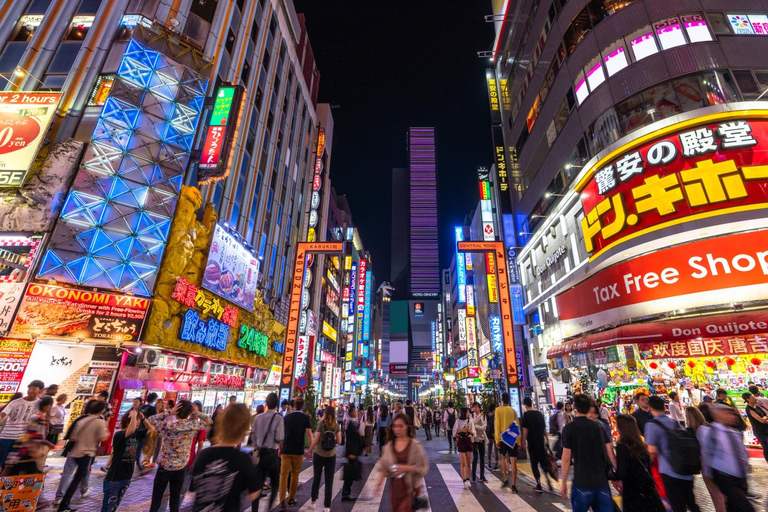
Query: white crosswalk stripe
[[338, 482], [506, 496], [369, 500], [462, 498]]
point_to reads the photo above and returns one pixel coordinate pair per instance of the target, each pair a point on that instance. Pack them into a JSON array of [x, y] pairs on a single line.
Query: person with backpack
[[696, 422], [267, 432], [677, 453], [327, 436], [353, 449], [449, 420], [506, 420], [426, 420], [490, 432], [437, 418], [586, 443], [633, 468], [723, 444]]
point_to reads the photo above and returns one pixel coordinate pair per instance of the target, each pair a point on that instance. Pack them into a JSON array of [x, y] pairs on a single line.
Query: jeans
[[83, 463], [164, 478], [735, 491], [5, 447], [140, 451], [450, 438], [478, 449], [269, 466], [538, 458], [763, 438], [437, 429], [428, 431], [70, 465], [679, 493], [492, 448], [291, 465], [322, 465], [599, 498], [113, 494]]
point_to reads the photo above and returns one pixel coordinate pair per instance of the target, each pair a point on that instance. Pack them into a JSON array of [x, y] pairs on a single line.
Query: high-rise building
[[424, 251], [168, 158], [629, 135]]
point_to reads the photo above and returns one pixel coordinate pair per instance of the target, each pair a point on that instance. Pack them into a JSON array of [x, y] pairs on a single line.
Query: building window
[[615, 58], [230, 44], [79, 28], [718, 23], [26, 28], [696, 28], [669, 32], [595, 73], [580, 87], [89, 7]]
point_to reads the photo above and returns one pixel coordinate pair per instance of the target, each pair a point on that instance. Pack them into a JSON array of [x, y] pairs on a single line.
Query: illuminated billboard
[[367, 310], [24, 121], [706, 167], [461, 271], [231, 271], [218, 147]]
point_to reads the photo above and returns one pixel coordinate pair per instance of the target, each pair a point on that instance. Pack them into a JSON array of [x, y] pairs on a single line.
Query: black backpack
[[329, 440], [554, 428], [451, 419], [428, 418], [684, 451]]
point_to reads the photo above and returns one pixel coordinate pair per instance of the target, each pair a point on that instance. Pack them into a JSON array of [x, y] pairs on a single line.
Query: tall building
[[424, 251], [631, 136], [168, 159]]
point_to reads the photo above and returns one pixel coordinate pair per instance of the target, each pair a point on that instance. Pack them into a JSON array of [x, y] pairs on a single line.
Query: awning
[[714, 326]]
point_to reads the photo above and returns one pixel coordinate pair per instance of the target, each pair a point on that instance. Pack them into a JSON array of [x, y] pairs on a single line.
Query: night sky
[[386, 66]]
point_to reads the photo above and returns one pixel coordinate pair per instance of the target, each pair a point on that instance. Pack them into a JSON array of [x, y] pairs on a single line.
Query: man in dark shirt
[[643, 412], [534, 437], [409, 411], [586, 441], [298, 431], [125, 446]]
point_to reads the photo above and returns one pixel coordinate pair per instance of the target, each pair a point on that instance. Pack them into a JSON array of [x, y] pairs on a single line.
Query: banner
[[55, 363], [14, 358], [705, 167], [10, 297], [684, 276], [73, 313], [24, 121], [232, 271], [20, 493]]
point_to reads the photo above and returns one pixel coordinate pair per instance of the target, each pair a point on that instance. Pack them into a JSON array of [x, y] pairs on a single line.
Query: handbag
[[256, 455], [353, 470], [610, 473], [551, 463], [420, 499]]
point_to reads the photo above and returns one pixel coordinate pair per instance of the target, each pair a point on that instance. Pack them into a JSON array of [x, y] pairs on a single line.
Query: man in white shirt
[[19, 412], [676, 409]]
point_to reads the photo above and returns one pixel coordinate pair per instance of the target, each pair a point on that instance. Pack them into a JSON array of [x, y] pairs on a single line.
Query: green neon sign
[[222, 106]]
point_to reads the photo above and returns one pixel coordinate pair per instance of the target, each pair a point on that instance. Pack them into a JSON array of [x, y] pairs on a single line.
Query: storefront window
[[576, 31], [669, 32], [689, 92], [11, 56], [79, 28], [101, 90], [643, 43], [580, 87], [759, 23], [718, 23], [615, 58], [747, 84], [634, 113], [719, 87], [603, 132], [696, 28]]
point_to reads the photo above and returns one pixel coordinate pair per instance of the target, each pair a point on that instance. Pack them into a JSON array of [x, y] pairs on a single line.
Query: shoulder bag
[[256, 456]]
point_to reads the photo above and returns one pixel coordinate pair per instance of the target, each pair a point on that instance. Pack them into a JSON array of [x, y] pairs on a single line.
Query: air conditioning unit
[[148, 357]]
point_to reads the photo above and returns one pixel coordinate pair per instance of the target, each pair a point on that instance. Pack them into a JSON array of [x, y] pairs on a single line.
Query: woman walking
[[638, 490], [354, 448], [327, 436], [383, 424], [28, 454], [370, 425], [465, 432], [478, 442], [405, 463], [695, 420]]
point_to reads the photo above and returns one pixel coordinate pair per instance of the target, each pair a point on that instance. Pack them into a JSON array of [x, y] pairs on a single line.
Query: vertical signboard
[[461, 321], [367, 310], [297, 287], [473, 361], [461, 271], [502, 170], [490, 268], [470, 300], [507, 325], [219, 147], [493, 95]]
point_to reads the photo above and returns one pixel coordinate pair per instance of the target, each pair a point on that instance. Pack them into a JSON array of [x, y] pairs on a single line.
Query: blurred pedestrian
[[465, 432], [297, 431], [675, 409], [490, 432], [437, 419], [480, 423], [534, 439], [696, 421], [56, 417], [19, 413], [449, 421], [426, 420], [267, 432], [506, 419], [642, 412], [385, 418], [405, 463], [28, 454], [633, 468], [594, 415], [354, 448], [327, 436], [370, 427]]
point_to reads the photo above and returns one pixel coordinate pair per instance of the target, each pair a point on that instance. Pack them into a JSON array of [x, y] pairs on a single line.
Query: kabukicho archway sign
[[507, 325], [292, 332]]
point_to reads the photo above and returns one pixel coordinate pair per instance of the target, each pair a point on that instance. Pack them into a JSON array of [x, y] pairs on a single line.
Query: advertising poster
[[54, 362], [24, 121], [231, 271], [86, 385], [10, 296], [14, 357], [73, 313], [20, 493]]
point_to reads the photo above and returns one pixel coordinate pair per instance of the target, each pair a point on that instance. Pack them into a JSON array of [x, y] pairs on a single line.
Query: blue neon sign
[[367, 310]]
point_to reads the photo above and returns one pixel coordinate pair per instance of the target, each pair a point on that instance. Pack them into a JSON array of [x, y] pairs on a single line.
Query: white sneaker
[[326, 509], [311, 506], [85, 494], [56, 502], [466, 484]]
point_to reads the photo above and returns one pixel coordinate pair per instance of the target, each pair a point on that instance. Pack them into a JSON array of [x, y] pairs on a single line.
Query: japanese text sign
[[700, 168], [74, 313], [14, 357], [218, 147], [704, 347]]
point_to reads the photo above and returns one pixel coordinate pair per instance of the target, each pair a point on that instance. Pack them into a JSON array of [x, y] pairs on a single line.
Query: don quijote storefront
[[666, 286]]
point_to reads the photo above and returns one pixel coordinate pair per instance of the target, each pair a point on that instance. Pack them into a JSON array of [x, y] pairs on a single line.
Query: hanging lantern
[[730, 361], [710, 364], [653, 365], [755, 361], [691, 364], [672, 365]]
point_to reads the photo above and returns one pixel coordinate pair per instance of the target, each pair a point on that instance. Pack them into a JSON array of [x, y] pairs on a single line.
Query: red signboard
[[704, 347], [75, 313], [706, 265], [705, 167], [689, 329], [14, 356], [214, 142]]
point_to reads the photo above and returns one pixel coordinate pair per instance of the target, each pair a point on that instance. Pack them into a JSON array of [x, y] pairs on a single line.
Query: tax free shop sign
[[719, 270]]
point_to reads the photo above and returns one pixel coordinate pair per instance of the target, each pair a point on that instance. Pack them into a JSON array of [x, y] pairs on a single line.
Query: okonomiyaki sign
[[73, 313]]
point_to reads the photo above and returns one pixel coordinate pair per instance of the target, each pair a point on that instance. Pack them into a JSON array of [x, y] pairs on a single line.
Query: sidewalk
[[758, 483]]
